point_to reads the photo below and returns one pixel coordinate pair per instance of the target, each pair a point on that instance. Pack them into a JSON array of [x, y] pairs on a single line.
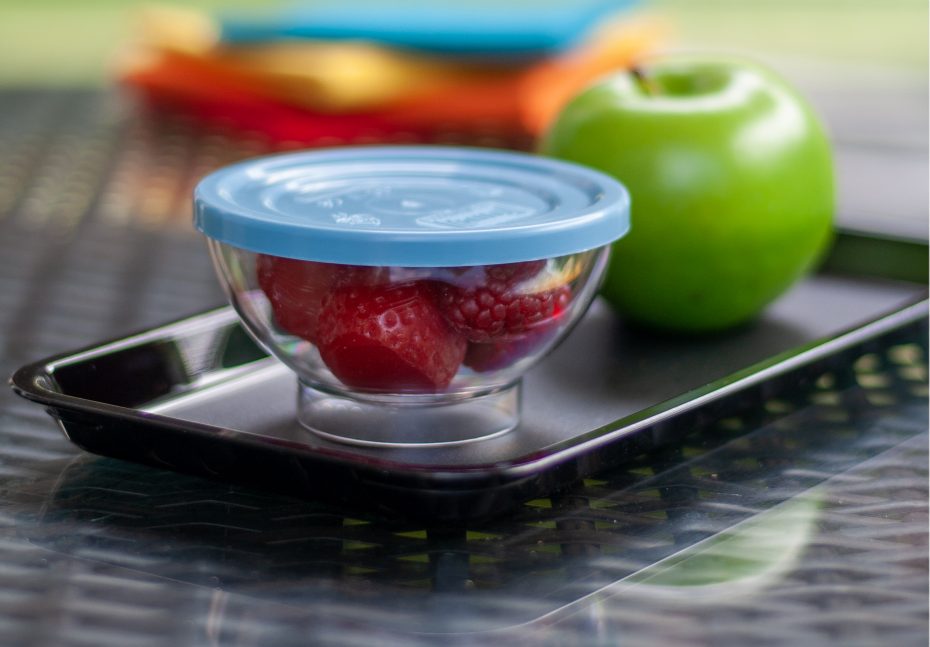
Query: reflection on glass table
[[806, 514]]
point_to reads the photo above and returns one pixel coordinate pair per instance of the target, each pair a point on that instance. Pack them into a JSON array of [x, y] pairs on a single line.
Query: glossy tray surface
[[199, 396], [601, 375]]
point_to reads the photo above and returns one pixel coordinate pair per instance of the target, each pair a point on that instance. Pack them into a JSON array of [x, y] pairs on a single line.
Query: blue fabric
[[502, 28]]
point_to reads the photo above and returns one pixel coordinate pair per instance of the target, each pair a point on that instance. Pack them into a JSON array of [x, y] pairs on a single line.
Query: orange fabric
[[550, 85], [179, 75], [181, 83], [233, 85]]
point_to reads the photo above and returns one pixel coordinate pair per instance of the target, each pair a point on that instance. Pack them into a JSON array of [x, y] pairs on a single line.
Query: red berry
[[496, 355], [389, 337], [498, 309], [296, 289], [514, 271]]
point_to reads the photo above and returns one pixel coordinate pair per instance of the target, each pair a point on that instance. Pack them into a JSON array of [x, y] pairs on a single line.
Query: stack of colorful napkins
[[356, 71]]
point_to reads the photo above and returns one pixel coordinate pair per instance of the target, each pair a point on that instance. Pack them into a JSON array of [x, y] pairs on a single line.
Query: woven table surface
[[803, 524]]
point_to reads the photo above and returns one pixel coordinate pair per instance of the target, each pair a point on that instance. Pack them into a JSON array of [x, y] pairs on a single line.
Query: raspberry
[[514, 271], [497, 355], [389, 337], [296, 289], [498, 309]]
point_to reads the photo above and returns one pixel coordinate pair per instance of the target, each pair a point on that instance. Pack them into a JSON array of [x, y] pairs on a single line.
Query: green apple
[[731, 179], [739, 560]]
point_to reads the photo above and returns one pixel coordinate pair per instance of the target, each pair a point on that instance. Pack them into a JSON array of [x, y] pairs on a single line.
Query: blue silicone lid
[[490, 27], [417, 206]]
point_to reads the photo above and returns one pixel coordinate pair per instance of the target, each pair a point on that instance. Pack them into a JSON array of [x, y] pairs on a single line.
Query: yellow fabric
[[356, 76], [343, 76], [322, 75]]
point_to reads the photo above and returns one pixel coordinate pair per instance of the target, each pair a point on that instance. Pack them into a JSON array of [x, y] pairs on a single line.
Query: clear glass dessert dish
[[409, 288]]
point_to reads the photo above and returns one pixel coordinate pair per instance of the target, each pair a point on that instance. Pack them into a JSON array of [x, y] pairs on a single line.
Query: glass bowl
[[398, 290]]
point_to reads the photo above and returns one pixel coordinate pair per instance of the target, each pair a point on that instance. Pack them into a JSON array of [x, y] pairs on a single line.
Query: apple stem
[[646, 84]]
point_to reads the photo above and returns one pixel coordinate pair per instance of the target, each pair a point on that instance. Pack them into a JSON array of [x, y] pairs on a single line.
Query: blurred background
[[74, 41], [139, 80]]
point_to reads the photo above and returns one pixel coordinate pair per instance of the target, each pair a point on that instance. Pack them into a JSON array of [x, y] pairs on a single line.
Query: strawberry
[[296, 289], [499, 308], [388, 337]]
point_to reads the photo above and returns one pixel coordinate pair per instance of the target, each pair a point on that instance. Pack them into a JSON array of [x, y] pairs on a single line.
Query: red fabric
[[210, 94]]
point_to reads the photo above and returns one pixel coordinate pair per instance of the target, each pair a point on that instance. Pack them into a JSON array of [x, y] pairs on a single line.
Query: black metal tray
[[198, 396]]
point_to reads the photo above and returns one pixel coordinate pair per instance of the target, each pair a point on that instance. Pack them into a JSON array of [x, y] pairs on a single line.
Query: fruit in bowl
[[409, 288], [731, 177], [411, 329]]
